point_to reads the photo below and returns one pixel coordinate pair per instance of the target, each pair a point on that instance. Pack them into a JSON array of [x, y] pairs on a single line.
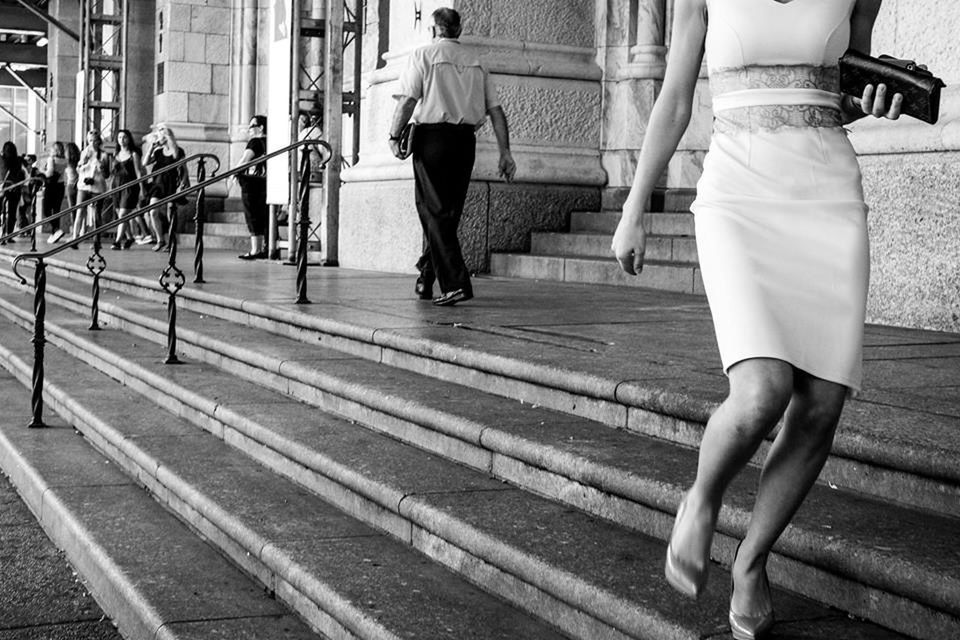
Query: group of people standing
[[71, 176]]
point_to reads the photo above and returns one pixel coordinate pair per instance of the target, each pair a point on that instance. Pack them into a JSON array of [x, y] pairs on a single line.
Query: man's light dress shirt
[[450, 83]]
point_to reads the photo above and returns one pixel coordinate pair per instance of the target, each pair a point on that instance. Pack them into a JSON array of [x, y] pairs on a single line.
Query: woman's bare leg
[[760, 390], [795, 460]]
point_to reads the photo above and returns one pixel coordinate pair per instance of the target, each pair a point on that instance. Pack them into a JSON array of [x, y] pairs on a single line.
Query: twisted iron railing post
[[199, 219], [304, 224], [96, 264], [172, 281], [39, 315], [33, 235]]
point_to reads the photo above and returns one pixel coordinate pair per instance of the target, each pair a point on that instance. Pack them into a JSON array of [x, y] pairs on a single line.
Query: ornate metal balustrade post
[[39, 314], [33, 234], [95, 265], [304, 224], [199, 219], [172, 281]]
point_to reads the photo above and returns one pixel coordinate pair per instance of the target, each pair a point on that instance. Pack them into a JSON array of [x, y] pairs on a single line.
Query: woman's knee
[[816, 410], [760, 391]]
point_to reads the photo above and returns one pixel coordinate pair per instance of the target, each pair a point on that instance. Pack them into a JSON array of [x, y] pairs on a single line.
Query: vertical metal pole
[[293, 243], [39, 340], [304, 207], [357, 76], [333, 129], [33, 235], [199, 220]]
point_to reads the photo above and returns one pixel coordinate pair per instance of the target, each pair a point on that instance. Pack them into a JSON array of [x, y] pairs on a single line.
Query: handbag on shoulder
[[919, 87]]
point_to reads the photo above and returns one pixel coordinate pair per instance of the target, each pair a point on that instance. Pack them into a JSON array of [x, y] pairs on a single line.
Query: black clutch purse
[[406, 140], [919, 87]]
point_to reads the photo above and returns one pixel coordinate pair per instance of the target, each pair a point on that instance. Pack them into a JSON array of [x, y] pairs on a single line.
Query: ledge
[[539, 165], [517, 58]]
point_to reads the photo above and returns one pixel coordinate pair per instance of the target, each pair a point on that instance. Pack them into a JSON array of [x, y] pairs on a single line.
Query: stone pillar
[[137, 109], [542, 56], [63, 64]]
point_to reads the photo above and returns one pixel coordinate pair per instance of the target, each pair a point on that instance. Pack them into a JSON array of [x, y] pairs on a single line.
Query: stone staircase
[[385, 485], [583, 254]]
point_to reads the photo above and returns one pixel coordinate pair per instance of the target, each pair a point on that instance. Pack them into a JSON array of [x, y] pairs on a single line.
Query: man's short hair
[[448, 22]]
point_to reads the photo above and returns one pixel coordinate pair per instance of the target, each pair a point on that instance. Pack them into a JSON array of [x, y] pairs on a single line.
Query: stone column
[[63, 64], [543, 57]]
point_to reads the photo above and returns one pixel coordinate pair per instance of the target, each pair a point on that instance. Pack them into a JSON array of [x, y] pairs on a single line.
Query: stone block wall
[[911, 178], [193, 42]]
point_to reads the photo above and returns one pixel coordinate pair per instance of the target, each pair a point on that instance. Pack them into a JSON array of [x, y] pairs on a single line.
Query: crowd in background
[[69, 176]]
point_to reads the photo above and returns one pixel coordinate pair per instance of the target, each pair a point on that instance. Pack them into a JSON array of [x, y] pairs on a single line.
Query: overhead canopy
[[21, 30], [14, 17], [36, 78]]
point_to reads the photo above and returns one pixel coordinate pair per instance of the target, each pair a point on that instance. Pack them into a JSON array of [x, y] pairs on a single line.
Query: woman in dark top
[[11, 172], [165, 152], [253, 189], [126, 168]]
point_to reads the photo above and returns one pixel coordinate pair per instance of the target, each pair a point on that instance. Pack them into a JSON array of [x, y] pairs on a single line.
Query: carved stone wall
[[543, 59]]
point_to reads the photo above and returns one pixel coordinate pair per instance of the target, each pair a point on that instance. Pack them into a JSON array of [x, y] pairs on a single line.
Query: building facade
[[577, 79]]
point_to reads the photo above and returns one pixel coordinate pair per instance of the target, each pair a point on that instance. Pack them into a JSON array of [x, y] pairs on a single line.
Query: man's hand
[[508, 168], [630, 239], [395, 148]]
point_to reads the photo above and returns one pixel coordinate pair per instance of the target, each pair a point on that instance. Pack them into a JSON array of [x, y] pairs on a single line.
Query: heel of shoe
[[750, 627], [688, 580]]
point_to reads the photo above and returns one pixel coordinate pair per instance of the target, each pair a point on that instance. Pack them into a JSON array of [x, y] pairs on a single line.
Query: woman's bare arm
[[874, 100], [668, 121]]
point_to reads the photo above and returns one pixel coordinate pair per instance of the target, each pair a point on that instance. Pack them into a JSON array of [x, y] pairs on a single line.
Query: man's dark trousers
[[443, 156]]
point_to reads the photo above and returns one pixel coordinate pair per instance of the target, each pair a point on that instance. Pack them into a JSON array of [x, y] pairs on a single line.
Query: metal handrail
[[21, 183], [171, 280], [112, 192]]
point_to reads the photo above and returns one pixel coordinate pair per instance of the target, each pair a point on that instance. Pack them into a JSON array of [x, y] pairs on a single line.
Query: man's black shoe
[[424, 288], [452, 297]]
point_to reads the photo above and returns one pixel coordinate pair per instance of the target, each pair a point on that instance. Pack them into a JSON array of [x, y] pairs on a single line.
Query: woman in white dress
[[782, 241]]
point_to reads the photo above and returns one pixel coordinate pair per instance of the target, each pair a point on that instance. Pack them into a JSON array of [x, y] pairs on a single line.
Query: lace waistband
[[772, 97], [774, 76]]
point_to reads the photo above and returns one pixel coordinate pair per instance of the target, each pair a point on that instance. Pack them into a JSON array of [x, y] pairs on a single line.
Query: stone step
[[602, 505], [342, 576], [597, 245], [147, 570], [658, 223], [657, 274], [589, 594], [873, 453]]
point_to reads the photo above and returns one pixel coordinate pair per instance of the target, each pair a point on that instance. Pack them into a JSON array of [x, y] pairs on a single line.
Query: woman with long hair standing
[[782, 240], [126, 168], [165, 151], [11, 172], [55, 188], [92, 171]]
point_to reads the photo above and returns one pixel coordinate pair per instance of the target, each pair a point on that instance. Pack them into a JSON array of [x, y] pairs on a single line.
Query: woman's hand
[[630, 239], [875, 102]]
